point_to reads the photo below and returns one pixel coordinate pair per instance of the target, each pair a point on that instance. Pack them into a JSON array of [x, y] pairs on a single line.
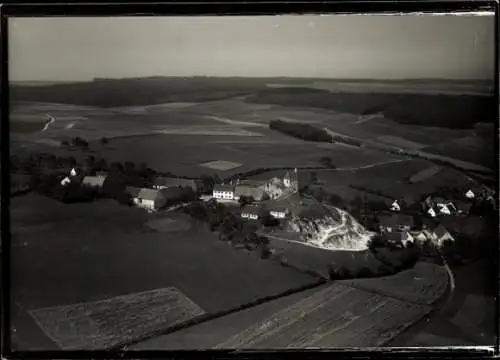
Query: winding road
[[51, 121]]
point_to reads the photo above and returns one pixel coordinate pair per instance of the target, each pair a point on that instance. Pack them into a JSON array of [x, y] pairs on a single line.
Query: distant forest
[[451, 111]]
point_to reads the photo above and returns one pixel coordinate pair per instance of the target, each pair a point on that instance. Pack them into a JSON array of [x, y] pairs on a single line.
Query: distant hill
[[452, 111]]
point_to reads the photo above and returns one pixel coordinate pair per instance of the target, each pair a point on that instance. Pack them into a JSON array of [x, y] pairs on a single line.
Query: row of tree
[[302, 131]]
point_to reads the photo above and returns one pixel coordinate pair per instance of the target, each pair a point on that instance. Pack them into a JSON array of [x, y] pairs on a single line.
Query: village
[[438, 219]]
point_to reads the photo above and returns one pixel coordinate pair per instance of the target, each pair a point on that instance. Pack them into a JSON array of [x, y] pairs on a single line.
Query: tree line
[[231, 228], [301, 131]]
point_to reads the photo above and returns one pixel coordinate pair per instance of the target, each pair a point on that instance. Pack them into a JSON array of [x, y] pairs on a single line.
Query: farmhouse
[[395, 222], [163, 182], [152, 199], [395, 206], [225, 192], [420, 235], [95, 181], [250, 212], [478, 192], [277, 209], [440, 235]]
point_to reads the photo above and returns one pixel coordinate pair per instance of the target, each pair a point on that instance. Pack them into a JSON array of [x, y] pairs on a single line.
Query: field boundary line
[[123, 346]]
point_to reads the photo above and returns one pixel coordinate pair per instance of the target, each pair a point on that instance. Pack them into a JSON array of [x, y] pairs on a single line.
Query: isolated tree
[[103, 141]]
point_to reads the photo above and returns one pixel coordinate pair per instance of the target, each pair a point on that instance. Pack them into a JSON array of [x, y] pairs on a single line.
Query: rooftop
[[251, 209], [168, 181], [151, 194], [222, 187], [396, 219]]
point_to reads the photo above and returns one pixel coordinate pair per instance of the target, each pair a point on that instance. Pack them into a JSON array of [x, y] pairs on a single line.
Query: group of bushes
[[231, 228], [301, 131]]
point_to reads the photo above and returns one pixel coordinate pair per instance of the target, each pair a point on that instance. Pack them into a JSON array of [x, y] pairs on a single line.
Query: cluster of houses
[[265, 195], [436, 206], [151, 198], [400, 229]]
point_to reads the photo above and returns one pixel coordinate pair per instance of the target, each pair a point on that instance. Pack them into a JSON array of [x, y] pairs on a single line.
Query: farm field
[[102, 324], [186, 154], [335, 315], [422, 284], [390, 180], [101, 250], [246, 104], [321, 322]]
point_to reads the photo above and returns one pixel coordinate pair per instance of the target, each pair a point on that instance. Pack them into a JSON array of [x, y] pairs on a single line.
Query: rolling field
[[105, 323], [423, 284], [324, 321], [391, 180], [102, 250], [335, 315]]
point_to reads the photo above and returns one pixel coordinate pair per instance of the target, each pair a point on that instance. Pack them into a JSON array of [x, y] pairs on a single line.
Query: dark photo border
[[212, 8]]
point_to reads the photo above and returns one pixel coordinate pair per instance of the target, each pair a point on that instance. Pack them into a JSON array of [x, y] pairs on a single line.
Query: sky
[[329, 46]]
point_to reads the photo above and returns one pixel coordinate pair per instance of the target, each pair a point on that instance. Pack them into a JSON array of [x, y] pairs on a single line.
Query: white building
[[65, 181], [441, 235], [395, 206], [163, 182], [250, 212], [469, 194], [72, 172], [278, 211], [224, 192], [149, 199]]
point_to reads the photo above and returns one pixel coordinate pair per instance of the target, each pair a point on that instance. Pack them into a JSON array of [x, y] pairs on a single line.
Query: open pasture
[[333, 315], [105, 323], [422, 284], [337, 316], [101, 250], [208, 334], [183, 154]]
